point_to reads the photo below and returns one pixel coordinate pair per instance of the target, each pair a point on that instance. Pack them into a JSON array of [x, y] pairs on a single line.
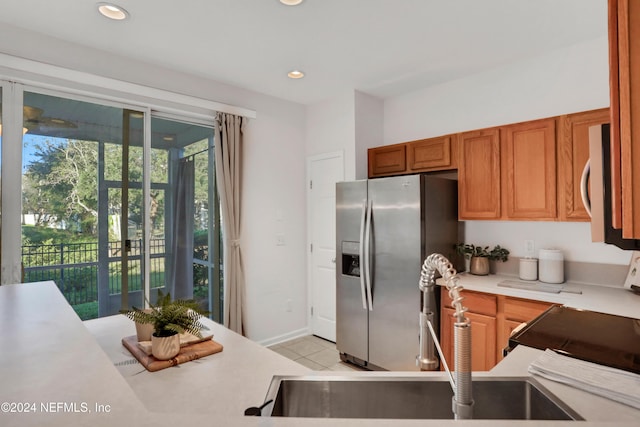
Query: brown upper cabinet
[[524, 171], [424, 155], [508, 172], [387, 160], [624, 89], [573, 153], [431, 154], [479, 189], [529, 170]]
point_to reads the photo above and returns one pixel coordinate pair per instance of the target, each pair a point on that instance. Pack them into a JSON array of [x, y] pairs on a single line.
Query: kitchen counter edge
[[55, 360]]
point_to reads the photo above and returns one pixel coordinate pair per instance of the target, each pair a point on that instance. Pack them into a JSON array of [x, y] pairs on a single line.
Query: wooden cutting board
[[185, 340], [187, 353]]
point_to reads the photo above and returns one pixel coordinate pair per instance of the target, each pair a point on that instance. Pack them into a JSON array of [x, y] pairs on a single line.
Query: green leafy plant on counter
[[170, 317], [498, 253]]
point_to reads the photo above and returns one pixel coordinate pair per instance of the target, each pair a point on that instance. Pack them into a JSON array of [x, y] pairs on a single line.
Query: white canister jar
[[551, 266], [528, 268]]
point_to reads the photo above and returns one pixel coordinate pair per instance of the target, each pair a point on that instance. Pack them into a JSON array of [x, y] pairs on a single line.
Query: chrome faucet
[[462, 403]]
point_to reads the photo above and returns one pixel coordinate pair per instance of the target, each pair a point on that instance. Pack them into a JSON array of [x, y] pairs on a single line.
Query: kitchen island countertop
[[52, 359]]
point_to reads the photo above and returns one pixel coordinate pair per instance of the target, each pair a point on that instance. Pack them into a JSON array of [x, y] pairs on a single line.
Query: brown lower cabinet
[[493, 319]]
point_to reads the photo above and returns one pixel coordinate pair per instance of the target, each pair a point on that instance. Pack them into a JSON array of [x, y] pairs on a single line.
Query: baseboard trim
[[285, 337]]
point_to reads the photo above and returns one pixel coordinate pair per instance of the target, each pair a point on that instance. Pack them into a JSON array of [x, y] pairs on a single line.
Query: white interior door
[[323, 173]]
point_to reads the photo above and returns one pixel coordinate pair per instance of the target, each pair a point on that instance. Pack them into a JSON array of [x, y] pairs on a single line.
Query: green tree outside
[[61, 182]]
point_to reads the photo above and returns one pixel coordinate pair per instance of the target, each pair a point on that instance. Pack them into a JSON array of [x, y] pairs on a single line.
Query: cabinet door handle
[[584, 187]]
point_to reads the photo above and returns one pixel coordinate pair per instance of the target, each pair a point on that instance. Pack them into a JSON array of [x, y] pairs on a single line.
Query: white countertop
[[235, 379], [603, 299], [47, 356], [50, 357]]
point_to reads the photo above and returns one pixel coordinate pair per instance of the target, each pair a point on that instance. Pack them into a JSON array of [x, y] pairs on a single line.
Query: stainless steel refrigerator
[[385, 228]]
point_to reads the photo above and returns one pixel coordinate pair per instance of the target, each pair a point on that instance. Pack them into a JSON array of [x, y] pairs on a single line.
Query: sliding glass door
[[81, 201], [103, 212], [185, 216]]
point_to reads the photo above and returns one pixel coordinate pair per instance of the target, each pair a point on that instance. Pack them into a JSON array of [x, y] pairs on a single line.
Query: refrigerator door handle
[[367, 255], [364, 263]]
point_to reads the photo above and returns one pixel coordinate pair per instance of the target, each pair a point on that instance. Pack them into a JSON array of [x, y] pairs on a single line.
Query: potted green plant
[[169, 319], [480, 256]]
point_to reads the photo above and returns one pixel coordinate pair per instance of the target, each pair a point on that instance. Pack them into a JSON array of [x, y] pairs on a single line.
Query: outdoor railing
[[74, 267]]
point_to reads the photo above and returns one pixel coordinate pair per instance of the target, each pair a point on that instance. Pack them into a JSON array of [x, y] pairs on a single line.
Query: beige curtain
[[228, 146]]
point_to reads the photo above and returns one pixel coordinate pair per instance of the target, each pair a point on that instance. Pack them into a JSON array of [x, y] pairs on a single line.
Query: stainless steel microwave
[[596, 190]]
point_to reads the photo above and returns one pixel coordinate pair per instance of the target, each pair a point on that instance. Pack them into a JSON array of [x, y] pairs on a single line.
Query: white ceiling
[[381, 47]]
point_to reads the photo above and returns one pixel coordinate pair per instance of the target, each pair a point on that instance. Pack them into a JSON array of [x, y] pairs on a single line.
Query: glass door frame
[[11, 200], [146, 202], [214, 239], [11, 169], [11, 268]]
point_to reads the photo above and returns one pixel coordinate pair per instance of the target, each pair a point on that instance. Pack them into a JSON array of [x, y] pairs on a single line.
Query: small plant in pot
[[169, 319], [480, 256]]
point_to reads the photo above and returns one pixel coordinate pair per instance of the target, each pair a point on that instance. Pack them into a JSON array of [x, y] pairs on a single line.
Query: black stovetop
[[595, 337]]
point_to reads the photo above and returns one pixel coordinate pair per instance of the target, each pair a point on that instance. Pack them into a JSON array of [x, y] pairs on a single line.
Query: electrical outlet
[[529, 247], [289, 305], [279, 239]]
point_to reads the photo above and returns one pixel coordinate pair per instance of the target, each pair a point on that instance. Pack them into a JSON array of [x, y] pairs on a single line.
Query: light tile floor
[[314, 353]]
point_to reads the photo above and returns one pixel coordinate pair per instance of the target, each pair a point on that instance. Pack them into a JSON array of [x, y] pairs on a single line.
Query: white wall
[[564, 81], [573, 238], [351, 123], [330, 127], [369, 128], [274, 203], [559, 82], [273, 178]]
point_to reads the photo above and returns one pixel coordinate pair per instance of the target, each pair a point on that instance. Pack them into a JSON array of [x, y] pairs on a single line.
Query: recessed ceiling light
[[291, 2], [112, 11], [295, 74]]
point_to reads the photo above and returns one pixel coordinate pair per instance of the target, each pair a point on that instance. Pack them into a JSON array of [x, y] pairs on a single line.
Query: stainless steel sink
[[517, 398]]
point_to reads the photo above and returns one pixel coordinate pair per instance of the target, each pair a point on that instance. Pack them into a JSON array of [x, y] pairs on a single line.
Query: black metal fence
[[74, 267]]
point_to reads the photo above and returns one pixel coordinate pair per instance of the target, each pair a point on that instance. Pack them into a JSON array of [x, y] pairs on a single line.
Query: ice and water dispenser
[[351, 258]]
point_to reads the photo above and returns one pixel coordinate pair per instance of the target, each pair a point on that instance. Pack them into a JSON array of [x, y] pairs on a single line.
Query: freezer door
[[396, 245], [351, 311]]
